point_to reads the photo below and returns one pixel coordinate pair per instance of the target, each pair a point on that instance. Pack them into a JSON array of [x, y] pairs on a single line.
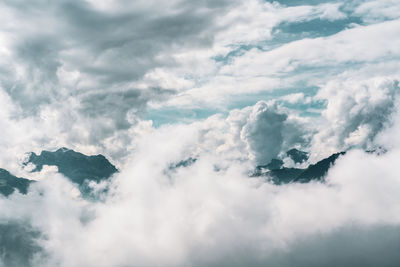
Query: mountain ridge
[[283, 175], [81, 169], [77, 167]]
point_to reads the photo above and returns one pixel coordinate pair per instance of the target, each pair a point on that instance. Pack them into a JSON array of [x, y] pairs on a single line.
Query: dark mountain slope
[[282, 175], [9, 182], [297, 156], [74, 165], [318, 170]]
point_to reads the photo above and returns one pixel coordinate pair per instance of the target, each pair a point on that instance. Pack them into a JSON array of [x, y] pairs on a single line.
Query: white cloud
[[268, 131], [356, 112], [200, 216], [373, 11], [293, 98], [81, 74], [258, 71]]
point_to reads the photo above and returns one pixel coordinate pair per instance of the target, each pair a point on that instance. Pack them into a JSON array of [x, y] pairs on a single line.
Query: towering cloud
[[187, 99], [267, 131], [356, 112]]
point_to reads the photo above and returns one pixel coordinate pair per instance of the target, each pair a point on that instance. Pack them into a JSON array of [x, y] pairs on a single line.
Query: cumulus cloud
[[267, 131], [96, 65], [77, 59], [87, 70], [207, 216], [83, 74], [292, 65], [373, 11], [355, 113]]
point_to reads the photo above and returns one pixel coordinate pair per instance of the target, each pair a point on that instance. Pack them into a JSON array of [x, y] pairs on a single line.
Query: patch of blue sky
[[184, 115], [301, 2], [287, 32], [291, 31], [172, 115], [244, 100], [307, 78], [310, 113], [309, 75], [305, 75], [236, 51], [305, 109]]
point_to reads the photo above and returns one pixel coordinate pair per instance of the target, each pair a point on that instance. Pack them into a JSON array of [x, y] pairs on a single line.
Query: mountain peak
[[9, 182], [283, 175], [76, 166], [297, 156], [63, 149]]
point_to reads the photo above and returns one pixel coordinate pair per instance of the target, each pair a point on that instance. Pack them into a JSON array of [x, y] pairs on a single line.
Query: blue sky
[[232, 84], [313, 24], [95, 72]]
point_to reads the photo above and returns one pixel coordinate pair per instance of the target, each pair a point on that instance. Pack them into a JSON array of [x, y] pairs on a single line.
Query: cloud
[[98, 65], [373, 11], [356, 112], [83, 75], [86, 71], [76, 60], [17, 243], [263, 133], [268, 131], [272, 67], [201, 215], [293, 98]]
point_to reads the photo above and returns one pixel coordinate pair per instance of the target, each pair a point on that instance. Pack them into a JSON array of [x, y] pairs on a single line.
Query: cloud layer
[[232, 84]]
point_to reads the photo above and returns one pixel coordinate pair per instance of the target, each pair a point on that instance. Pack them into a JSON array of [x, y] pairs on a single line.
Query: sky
[[233, 84]]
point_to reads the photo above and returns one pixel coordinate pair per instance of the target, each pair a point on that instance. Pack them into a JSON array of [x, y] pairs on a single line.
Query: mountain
[[297, 156], [74, 165], [9, 182], [79, 168], [318, 170], [282, 175], [183, 163]]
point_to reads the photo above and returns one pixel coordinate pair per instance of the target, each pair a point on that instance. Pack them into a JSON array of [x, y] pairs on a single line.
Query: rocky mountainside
[[282, 175], [81, 169], [77, 167], [9, 183], [74, 165], [319, 170]]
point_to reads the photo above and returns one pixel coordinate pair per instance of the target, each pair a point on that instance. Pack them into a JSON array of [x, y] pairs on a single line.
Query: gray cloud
[[89, 59], [200, 216], [268, 132], [74, 73], [108, 48], [356, 112], [347, 246], [263, 132], [19, 244]]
